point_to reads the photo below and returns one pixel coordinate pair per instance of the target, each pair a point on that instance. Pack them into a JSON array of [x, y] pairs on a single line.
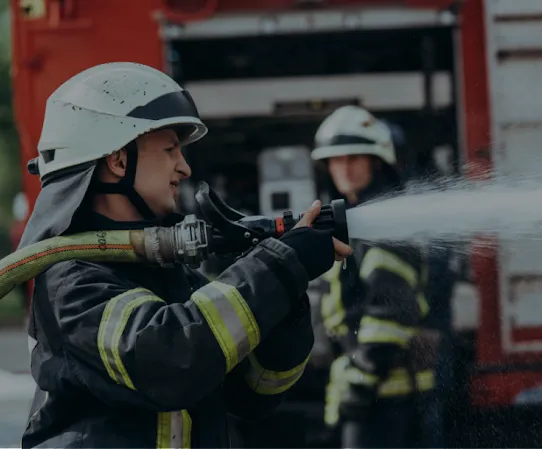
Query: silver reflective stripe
[[181, 425], [114, 320], [400, 383], [355, 376], [230, 319], [269, 382], [174, 430]]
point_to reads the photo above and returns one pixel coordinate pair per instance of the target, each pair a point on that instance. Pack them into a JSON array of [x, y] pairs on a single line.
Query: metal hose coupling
[[187, 242]]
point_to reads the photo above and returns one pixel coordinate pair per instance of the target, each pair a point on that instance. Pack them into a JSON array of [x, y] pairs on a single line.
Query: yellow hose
[[97, 246]]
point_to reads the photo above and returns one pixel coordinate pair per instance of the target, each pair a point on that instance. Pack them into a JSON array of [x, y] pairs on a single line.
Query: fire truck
[[461, 74]]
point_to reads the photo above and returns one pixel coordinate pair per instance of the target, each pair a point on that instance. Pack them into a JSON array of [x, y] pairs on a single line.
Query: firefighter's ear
[[116, 163]]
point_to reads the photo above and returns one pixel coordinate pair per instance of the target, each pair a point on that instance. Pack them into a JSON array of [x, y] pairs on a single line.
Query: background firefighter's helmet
[[352, 130], [93, 114]]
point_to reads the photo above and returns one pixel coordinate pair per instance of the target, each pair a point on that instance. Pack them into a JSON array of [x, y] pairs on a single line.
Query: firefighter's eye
[[173, 148]]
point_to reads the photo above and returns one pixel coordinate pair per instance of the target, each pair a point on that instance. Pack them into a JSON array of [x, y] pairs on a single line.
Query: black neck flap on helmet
[[126, 185]]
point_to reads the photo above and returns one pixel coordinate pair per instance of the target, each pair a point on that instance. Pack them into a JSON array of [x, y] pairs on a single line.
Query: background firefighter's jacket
[[373, 311], [140, 356]]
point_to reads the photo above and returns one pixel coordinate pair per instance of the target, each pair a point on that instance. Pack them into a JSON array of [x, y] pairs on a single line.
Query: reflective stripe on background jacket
[[137, 356], [373, 310]]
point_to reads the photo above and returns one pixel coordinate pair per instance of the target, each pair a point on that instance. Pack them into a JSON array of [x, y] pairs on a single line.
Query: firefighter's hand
[[316, 249], [342, 250]]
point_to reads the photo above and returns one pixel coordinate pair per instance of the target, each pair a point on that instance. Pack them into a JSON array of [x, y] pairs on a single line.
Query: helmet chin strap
[[126, 185]]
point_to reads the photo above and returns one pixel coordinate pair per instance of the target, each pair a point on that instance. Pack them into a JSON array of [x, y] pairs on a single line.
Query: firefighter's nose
[[183, 168]]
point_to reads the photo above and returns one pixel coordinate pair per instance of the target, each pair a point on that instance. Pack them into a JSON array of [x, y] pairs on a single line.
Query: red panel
[[498, 388], [475, 85], [196, 9], [527, 334], [436, 4], [478, 139], [502, 388]]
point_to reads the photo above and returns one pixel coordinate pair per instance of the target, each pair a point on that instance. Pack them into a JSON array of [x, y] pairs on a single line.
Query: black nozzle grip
[[332, 217], [213, 208]]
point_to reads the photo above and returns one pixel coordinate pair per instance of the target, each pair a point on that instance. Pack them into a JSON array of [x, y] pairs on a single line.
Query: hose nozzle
[[234, 232], [332, 217]]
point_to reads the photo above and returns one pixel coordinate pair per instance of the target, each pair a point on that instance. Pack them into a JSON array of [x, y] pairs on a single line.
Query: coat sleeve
[[260, 384], [129, 347], [395, 305]]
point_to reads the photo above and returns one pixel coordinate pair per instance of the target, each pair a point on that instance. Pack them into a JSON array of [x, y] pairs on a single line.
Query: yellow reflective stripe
[[336, 371], [174, 430], [335, 389], [377, 258], [376, 330], [399, 384], [331, 407], [164, 430], [342, 376], [230, 320], [425, 380], [422, 304], [264, 381], [114, 320], [332, 309], [421, 298], [356, 376]]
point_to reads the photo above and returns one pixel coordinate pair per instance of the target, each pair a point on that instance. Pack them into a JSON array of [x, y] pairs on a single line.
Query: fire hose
[[218, 230]]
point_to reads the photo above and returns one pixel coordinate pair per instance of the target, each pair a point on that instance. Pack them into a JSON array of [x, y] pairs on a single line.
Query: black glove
[[314, 249]]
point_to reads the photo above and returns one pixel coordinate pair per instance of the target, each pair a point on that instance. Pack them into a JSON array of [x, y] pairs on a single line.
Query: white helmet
[[104, 108], [353, 130], [97, 112]]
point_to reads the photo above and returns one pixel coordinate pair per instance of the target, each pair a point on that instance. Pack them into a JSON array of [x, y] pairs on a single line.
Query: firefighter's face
[[160, 168], [351, 174]]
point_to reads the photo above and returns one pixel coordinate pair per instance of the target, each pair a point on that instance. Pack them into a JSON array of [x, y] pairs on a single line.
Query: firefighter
[[374, 307], [128, 355]]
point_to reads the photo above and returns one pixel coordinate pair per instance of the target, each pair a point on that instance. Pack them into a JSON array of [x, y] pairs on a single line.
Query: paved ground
[[14, 350], [16, 392], [16, 386]]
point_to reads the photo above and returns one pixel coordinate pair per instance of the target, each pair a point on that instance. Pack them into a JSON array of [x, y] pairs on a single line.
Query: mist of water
[[456, 213]]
